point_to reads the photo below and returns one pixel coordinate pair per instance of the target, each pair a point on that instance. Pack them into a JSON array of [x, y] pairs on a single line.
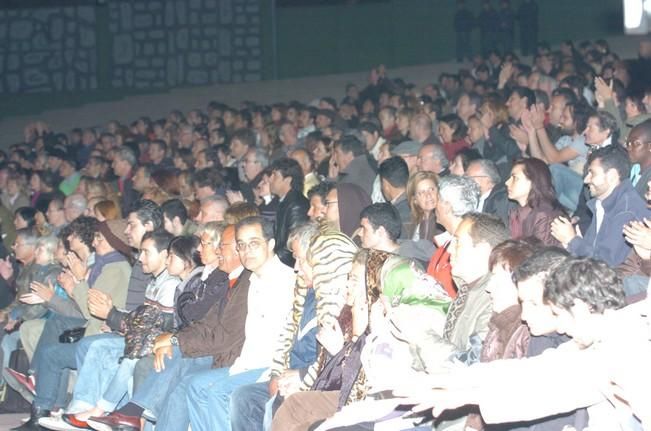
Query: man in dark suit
[[286, 182], [493, 198], [124, 167], [394, 175]]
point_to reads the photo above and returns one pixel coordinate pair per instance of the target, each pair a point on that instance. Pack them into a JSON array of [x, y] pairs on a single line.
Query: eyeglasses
[[254, 245]]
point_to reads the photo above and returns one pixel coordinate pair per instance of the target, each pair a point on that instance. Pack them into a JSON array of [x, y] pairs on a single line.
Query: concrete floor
[[10, 421], [304, 89]]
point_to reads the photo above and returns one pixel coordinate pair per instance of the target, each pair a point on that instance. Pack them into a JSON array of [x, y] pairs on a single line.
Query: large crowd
[[473, 254]]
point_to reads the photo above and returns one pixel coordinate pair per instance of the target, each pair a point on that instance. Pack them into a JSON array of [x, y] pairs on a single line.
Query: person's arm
[[545, 149]]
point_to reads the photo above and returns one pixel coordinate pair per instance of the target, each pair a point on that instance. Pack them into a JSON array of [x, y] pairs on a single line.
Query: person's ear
[[271, 244]]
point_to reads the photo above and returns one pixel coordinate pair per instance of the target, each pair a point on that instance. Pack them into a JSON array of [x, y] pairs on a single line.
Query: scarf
[[100, 262]]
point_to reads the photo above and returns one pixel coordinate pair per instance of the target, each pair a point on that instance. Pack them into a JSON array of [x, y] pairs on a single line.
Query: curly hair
[[84, 228], [587, 280]]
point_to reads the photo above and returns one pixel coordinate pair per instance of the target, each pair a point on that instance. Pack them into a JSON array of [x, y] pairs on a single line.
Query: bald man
[[307, 166]]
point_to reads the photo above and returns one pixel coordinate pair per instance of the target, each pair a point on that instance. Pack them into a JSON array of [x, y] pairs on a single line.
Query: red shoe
[[115, 421], [72, 420], [27, 382]]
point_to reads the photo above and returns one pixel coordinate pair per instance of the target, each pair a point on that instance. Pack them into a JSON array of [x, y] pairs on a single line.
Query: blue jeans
[[118, 387], [568, 185], [209, 397], [52, 375], [158, 390], [635, 284], [248, 406], [8, 345], [97, 362]]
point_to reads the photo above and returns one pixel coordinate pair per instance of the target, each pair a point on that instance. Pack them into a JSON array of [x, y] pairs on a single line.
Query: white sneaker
[[56, 423]]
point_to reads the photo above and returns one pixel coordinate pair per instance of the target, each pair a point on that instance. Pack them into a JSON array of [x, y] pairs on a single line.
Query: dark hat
[[113, 231]]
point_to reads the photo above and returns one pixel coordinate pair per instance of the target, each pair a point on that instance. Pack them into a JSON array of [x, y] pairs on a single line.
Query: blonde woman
[[422, 196]]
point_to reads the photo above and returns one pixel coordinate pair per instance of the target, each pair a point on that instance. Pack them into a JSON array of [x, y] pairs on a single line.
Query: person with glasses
[[493, 198]]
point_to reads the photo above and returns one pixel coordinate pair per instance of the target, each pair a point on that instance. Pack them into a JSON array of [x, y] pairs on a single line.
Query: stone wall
[[47, 49], [150, 44]]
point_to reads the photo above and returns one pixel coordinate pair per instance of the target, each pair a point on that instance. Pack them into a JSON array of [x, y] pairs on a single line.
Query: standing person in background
[[464, 21], [506, 26], [487, 24]]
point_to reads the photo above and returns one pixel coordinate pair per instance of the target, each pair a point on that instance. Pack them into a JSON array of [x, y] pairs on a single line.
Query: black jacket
[[291, 212], [498, 204]]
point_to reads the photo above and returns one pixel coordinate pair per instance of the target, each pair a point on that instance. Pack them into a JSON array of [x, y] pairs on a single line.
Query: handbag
[[72, 335]]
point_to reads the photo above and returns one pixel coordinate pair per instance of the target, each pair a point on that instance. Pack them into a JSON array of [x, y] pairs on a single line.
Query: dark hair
[[395, 171], [581, 112], [175, 208], [161, 238], [512, 252], [350, 144], [185, 247], [567, 94], [542, 97], [607, 122], [161, 144], [636, 98], [27, 214], [612, 157], [486, 228], [525, 92], [208, 177], [468, 155], [245, 136], [585, 279], [84, 228], [544, 260], [322, 189], [265, 224], [542, 189], [148, 211], [383, 215], [370, 127], [290, 168], [456, 124]]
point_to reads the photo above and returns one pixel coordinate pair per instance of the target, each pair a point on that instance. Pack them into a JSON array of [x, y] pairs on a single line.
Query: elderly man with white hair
[[74, 206]]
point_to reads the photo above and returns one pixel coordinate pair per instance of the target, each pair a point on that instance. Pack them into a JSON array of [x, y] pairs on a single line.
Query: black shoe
[[32, 424]]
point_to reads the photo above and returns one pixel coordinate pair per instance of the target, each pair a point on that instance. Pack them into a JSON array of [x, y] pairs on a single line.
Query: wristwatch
[[174, 341]]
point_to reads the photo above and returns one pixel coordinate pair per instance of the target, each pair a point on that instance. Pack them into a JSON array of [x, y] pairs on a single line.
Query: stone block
[[162, 48], [169, 14], [243, 53], [42, 14], [182, 39], [145, 74], [194, 18], [195, 45], [56, 28], [157, 34], [225, 73], [194, 59], [181, 12], [195, 4], [87, 37], [86, 14], [70, 43], [117, 83], [240, 31], [171, 72], [197, 77], [210, 31], [210, 4], [71, 28], [126, 15], [34, 58], [140, 6], [39, 41], [224, 42], [21, 29], [253, 65], [209, 18], [141, 63], [158, 62], [93, 81], [158, 20], [57, 81], [69, 57], [128, 77], [238, 65], [148, 49], [256, 52], [237, 77], [238, 42], [82, 66], [13, 62], [122, 49], [226, 11], [139, 35], [210, 59], [196, 32], [254, 20], [143, 20], [205, 45], [252, 41], [12, 83], [25, 46], [240, 19], [154, 6], [71, 81], [252, 8], [252, 77]]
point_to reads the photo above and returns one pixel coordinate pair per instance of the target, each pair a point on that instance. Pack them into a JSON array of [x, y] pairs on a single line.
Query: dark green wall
[[336, 39]]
